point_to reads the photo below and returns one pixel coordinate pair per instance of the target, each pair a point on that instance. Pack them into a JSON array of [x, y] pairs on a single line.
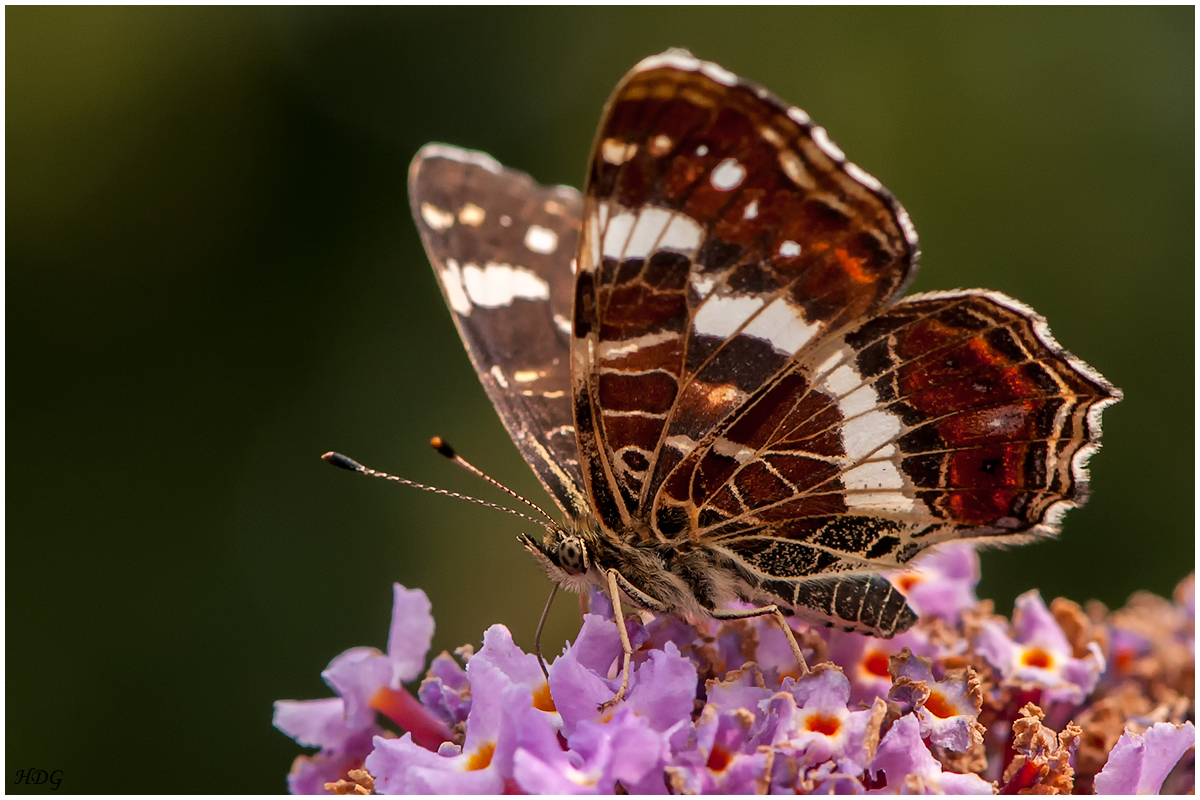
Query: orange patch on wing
[[852, 266]]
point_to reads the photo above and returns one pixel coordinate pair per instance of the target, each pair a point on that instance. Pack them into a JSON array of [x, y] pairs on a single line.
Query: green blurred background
[[213, 277]]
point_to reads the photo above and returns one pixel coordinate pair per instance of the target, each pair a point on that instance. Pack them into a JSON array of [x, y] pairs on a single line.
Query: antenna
[[444, 449], [345, 462]]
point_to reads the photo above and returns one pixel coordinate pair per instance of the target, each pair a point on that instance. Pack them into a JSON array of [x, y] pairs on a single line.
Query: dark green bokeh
[[213, 278]]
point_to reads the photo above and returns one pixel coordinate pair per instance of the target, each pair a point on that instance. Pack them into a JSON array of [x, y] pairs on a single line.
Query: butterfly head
[[565, 555], [572, 555]]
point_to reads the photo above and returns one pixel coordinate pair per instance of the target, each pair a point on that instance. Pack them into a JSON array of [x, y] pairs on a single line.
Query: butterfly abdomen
[[697, 582]]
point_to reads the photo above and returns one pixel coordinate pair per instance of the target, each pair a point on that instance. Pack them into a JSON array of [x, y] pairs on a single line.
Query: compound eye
[[570, 555]]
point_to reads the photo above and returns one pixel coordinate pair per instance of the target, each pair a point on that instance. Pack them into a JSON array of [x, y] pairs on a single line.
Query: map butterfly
[[706, 359]]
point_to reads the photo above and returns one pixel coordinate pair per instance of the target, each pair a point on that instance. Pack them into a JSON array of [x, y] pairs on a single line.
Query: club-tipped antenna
[[444, 449], [345, 462]]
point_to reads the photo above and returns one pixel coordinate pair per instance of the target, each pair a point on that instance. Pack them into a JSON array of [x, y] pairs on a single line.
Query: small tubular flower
[[943, 582], [909, 768], [948, 710], [1039, 654]]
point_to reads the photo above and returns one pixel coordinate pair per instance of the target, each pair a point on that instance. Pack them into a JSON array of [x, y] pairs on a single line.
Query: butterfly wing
[[949, 415], [724, 236], [503, 249], [744, 377]]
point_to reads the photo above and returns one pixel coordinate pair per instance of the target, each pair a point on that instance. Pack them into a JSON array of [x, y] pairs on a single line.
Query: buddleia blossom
[[1058, 700], [908, 767], [948, 709], [1036, 652], [367, 682]]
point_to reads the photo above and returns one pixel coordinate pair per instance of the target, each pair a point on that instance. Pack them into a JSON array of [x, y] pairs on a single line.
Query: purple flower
[[1040, 654], [446, 691], [812, 720], [624, 749], [943, 582], [864, 659], [579, 679], [1126, 648], [948, 709], [711, 708], [909, 767], [769, 648], [724, 759], [1141, 762], [323, 724], [662, 683], [370, 681], [366, 681], [508, 701], [742, 689], [729, 753]]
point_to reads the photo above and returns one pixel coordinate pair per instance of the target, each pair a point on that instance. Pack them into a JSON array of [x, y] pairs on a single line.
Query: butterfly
[[707, 360]]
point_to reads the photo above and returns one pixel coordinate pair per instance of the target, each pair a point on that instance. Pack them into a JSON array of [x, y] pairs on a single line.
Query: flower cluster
[[1061, 699]]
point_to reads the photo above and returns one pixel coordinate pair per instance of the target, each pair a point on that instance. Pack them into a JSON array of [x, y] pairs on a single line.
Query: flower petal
[[825, 688], [313, 723], [410, 635], [1139, 764], [356, 675], [663, 688]]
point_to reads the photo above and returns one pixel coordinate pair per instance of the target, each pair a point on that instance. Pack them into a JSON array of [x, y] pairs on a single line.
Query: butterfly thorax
[[684, 578]]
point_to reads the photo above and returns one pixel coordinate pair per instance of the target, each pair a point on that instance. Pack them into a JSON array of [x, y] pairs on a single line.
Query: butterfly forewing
[[724, 236], [503, 249]]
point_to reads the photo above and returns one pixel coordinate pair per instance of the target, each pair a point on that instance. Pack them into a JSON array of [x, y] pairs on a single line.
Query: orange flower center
[[908, 581], [789, 672], [1037, 657], [482, 757], [718, 759], [939, 706], [819, 723], [876, 663], [542, 700]]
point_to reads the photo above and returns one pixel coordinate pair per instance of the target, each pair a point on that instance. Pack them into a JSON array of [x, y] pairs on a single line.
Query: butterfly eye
[[571, 555]]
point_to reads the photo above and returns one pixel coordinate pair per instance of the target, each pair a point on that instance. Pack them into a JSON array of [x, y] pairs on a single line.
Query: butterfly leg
[[762, 612], [626, 648], [537, 637], [617, 584]]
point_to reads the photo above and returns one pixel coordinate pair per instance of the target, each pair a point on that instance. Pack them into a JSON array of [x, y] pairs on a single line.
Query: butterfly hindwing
[[996, 421], [950, 415], [503, 248]]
